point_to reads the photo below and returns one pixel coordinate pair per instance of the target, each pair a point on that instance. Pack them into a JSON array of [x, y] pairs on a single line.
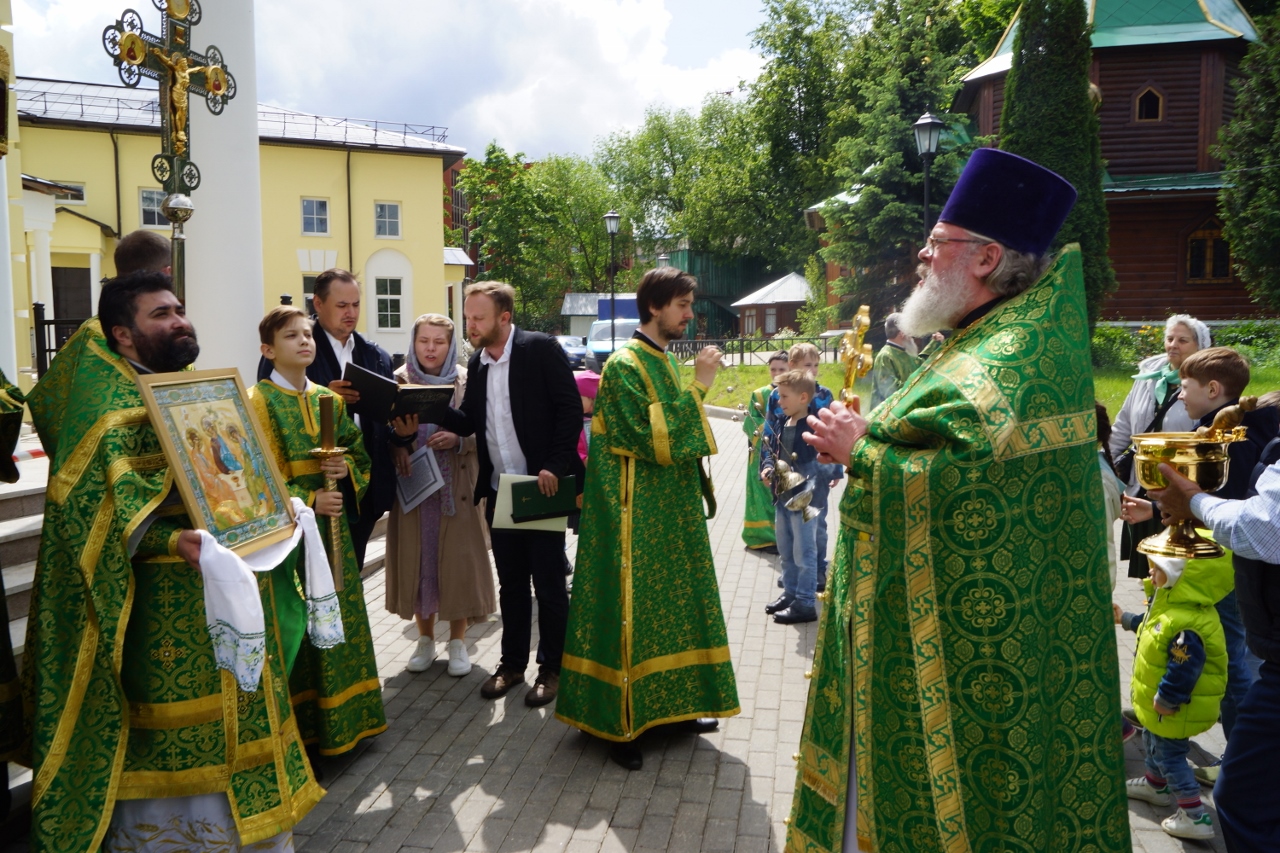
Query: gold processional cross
[[181, 72]]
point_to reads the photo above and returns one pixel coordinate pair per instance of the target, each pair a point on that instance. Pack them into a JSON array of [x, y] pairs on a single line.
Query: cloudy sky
[[541, 76]]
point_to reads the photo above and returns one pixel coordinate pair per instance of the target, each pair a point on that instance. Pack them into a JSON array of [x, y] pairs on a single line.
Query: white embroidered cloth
[[233, 605]]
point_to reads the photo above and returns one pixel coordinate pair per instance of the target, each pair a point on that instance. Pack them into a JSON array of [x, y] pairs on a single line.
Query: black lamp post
[[611, 221], [928, 129]]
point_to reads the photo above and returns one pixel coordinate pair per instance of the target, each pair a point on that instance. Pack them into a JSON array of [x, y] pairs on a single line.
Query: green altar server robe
[[336, 692], [125, 699], [646, 641], [967, 644], [757, 522], [11, 407]]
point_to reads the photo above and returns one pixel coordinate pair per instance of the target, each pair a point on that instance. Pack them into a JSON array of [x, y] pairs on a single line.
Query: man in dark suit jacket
[[337, 306], [524, 407]]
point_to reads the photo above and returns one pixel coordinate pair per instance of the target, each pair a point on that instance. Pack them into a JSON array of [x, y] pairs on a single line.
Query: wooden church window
[[1149, 105], [1208, 255]]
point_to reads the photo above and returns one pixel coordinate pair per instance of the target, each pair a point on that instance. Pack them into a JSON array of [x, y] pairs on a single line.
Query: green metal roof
[[1164, 183], [1126, 23]]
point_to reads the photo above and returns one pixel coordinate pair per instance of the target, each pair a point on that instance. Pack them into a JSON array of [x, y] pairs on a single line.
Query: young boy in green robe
[[336, 693], [757, 523]]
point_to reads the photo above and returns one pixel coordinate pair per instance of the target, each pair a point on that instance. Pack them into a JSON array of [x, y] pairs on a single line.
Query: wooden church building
[[1164, 71]]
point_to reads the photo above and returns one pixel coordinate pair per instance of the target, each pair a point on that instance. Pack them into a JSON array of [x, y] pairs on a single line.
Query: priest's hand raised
[[836, 429], [706, 365]]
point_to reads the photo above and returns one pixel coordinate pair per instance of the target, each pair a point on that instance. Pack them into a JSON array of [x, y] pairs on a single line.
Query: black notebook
[[383, 399]]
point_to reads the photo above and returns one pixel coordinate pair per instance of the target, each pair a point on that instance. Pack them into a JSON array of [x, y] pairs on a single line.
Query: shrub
[[1114, 347]]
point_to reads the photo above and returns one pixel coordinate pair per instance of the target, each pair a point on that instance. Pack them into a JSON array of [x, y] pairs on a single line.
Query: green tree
[[572, 197], [1049, 118], [909, 63], [1250, 151], [984, 21]]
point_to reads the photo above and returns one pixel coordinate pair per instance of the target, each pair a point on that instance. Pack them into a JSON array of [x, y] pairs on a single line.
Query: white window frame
[[143, 208], [387, 304], [397, 221], [748, 322], [770, 319], [59, 197], [316, 216]]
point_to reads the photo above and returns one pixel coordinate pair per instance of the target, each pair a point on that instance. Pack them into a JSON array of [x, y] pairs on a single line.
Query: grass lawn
[[735, 384]]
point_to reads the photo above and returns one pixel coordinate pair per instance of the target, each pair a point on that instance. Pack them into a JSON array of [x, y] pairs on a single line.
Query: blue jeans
[[821, 521], [798, 552], [1246, 791], [1167, 759], [1242, 664]]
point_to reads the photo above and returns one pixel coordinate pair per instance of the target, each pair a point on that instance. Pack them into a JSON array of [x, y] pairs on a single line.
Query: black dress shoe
[[782, 602], [626, 755], [700, 726], [795, 614]]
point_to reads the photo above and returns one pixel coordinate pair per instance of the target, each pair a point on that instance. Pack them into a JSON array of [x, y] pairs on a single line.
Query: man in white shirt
[[524, 407]]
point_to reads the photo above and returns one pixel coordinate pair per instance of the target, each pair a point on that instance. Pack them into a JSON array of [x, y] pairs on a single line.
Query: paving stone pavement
[[455, 772]]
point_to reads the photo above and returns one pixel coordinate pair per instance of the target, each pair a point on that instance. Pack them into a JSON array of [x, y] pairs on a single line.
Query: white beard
[[937, 303]]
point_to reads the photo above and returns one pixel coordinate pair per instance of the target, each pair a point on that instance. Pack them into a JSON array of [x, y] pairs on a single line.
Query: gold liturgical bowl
[[1200, 458]]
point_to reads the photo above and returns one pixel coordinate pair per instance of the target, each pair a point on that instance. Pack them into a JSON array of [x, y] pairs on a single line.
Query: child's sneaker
[[1182, 825], [1140, 789]]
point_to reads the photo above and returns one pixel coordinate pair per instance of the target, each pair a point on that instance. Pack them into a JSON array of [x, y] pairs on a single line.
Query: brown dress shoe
[[501, 682], [543, 689]]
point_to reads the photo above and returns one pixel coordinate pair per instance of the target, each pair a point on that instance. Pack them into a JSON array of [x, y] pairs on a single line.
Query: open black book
[[384, 399]]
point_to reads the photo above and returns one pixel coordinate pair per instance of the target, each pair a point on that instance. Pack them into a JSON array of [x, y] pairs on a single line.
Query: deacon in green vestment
[[123, 698], [336, 692], [12, 402], [757, 522], [964, 694], [646, 642]]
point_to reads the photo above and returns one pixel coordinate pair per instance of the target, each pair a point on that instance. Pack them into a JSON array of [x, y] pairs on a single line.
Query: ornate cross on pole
[[182, 72]]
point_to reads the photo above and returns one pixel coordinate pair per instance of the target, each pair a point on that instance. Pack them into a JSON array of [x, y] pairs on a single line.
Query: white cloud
[[539, 76]]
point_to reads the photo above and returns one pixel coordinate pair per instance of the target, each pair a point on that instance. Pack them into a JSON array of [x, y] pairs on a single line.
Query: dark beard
[[167, 353], [675, 333]]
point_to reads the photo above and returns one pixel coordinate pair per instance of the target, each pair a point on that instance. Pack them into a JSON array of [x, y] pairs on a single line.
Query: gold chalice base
[[1201, 459]]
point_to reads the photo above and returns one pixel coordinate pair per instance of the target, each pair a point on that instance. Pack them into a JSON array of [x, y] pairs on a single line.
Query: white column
[[224, 237], [8, 322], [42, 268], [95, 276]]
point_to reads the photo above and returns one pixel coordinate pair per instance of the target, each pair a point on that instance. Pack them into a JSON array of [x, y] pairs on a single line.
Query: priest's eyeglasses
[[932, 243]]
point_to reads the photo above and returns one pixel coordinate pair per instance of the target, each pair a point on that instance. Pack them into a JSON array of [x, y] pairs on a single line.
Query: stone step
[[18, 637], [20, 539], [20, 500], [17, 588]]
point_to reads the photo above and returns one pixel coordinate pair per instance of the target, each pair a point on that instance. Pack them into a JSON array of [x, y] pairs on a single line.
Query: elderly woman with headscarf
[[437, 552], [1153, 406]]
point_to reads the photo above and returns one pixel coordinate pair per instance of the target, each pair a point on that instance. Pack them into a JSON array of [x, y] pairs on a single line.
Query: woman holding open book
[[437, 548]]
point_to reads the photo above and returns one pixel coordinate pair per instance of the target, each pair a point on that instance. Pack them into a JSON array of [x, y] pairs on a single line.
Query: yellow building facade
[[364, 196]]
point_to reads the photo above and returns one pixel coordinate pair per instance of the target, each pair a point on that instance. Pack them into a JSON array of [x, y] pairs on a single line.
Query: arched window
[[1149, 105], [1208, 255]]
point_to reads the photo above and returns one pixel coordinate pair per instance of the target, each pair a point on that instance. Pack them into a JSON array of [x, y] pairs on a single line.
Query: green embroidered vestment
[[757, 523], [123, 697], [967, 640], [646, 641], [336, 692]]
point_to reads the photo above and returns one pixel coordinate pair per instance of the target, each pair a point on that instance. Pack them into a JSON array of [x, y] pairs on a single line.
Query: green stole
[[757, 524], [337, 694], [646, 642], [126, 701], [966, 643]]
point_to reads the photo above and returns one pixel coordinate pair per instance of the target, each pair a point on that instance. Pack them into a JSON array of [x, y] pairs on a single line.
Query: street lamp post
[[611, 220], [664, 261], [928, 129]]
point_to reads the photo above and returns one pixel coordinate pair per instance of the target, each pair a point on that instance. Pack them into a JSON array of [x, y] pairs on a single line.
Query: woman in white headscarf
[[1153, 406], [437, 552]]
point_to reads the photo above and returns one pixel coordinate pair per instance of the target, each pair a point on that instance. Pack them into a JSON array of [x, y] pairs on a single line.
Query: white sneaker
[[459, 662], [1182, 825], [423, 655], [1140, 789]]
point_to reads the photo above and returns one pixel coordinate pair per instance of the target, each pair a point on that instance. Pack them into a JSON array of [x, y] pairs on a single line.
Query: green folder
[[529, 504]]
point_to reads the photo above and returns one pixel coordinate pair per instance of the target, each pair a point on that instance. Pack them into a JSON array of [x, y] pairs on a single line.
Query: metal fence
[[746, 351], [49, 335]]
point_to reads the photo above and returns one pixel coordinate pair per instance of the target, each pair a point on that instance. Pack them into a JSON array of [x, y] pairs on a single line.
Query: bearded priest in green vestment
[[646, 642], [138, 739], [336, 692], [965, 692]]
